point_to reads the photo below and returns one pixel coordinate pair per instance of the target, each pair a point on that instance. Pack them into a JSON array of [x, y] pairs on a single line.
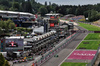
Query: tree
[[26, 6], [6, 63], [50, 3], [43, 10], [2, 60], [12, 9], [98, 16], [4, 25], [1, 32], [86, 13], [54, 6], [79, 11], [2, 7], [49, 8], [18, 30], [33, 1], [62, 10], [4, 2], [8, 22], [12, 26], [45, 3], [16, 6], [1, 24], [93, 15]]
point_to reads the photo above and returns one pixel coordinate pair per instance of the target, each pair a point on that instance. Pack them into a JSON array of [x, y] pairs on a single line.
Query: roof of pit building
[[13, 12], [15, 37]]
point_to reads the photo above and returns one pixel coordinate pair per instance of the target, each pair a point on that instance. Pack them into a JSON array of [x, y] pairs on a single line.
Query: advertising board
[[14, 44], [52, 25]]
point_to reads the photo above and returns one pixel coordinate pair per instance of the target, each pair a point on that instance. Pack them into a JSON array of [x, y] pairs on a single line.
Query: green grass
[[92, 45], [93, 36], [89, 27], [73, 64]]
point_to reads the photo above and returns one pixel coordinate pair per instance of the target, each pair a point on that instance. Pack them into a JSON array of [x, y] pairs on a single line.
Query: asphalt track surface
[[64, 53]]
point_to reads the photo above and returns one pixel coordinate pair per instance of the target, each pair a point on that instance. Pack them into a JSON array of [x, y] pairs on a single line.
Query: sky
[[71, 2]]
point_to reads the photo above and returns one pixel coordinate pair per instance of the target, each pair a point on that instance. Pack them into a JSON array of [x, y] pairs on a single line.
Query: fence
[[94, 59], [55, 50]]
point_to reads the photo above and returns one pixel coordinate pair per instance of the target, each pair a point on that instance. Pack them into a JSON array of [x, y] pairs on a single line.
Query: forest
[[90, 11]]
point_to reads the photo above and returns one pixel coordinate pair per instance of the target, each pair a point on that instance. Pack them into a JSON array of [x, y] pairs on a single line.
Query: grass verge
[[89, 27], [73, 64], [91, 45]]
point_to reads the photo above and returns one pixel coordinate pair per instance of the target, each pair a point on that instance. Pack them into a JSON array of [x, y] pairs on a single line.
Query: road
[[64, 53]]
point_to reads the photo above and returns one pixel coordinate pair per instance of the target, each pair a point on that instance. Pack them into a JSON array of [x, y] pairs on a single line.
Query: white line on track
[[71, 52]]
